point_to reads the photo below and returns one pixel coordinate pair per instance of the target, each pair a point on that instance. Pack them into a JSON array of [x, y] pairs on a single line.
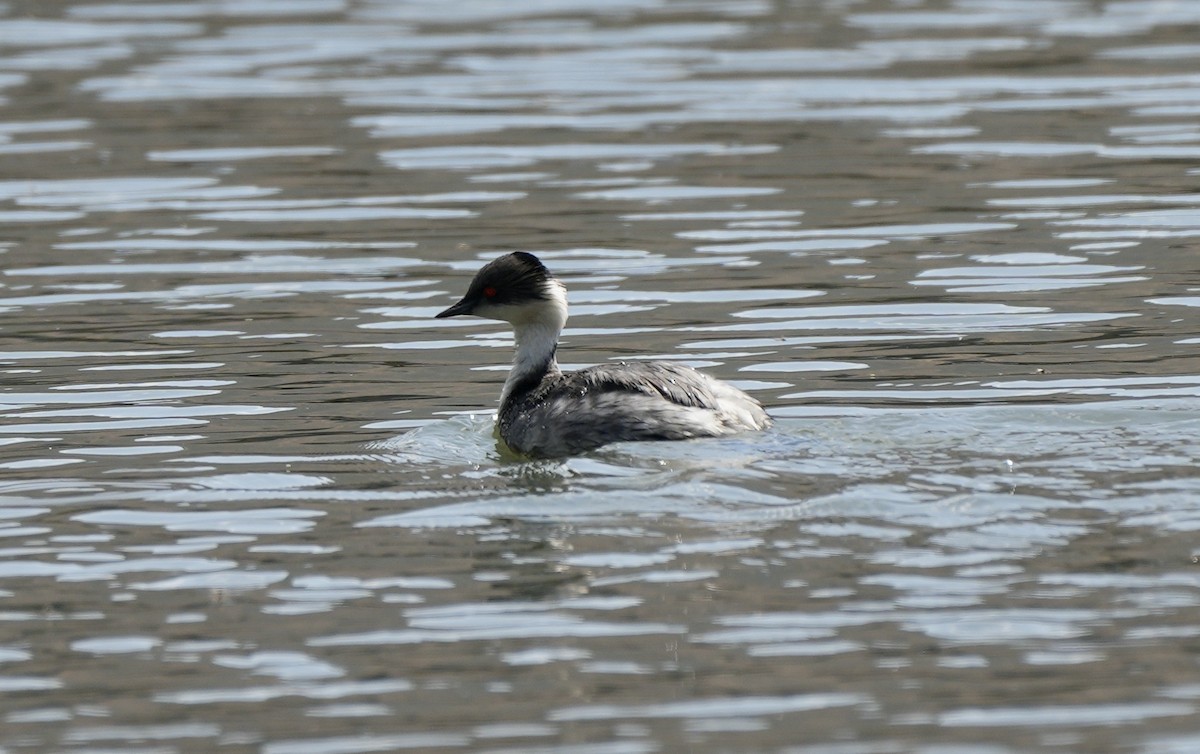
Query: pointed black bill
[[462, 307]]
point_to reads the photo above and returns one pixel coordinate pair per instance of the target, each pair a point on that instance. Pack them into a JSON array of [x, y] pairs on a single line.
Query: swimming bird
[[547, 412]]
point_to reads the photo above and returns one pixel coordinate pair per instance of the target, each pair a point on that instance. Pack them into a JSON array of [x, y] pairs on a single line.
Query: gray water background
[[249, 496]]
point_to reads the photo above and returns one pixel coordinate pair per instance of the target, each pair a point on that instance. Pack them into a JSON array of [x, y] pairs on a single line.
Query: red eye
[[490, 292]]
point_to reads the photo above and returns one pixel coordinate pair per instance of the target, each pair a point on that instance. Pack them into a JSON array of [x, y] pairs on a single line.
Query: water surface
[[250, 496]]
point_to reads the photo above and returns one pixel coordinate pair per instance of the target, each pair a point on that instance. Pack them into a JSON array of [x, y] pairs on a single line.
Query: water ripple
[[947, 242]]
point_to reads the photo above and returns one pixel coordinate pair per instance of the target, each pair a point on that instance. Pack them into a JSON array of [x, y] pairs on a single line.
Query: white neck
[[536, 329]]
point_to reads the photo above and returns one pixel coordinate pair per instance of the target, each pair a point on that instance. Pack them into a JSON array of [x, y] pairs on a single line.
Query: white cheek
[[488, 310]]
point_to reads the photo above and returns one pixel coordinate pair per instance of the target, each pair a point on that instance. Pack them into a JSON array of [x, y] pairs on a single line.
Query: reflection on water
[[251, 496]]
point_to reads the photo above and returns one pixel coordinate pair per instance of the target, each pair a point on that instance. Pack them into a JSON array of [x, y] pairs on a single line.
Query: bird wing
[[676, 383]]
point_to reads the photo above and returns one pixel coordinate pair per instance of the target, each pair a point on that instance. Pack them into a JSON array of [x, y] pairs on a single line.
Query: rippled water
[[250, 498]]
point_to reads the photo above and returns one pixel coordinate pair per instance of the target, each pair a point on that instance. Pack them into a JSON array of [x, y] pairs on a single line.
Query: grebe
[[546, 412]]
